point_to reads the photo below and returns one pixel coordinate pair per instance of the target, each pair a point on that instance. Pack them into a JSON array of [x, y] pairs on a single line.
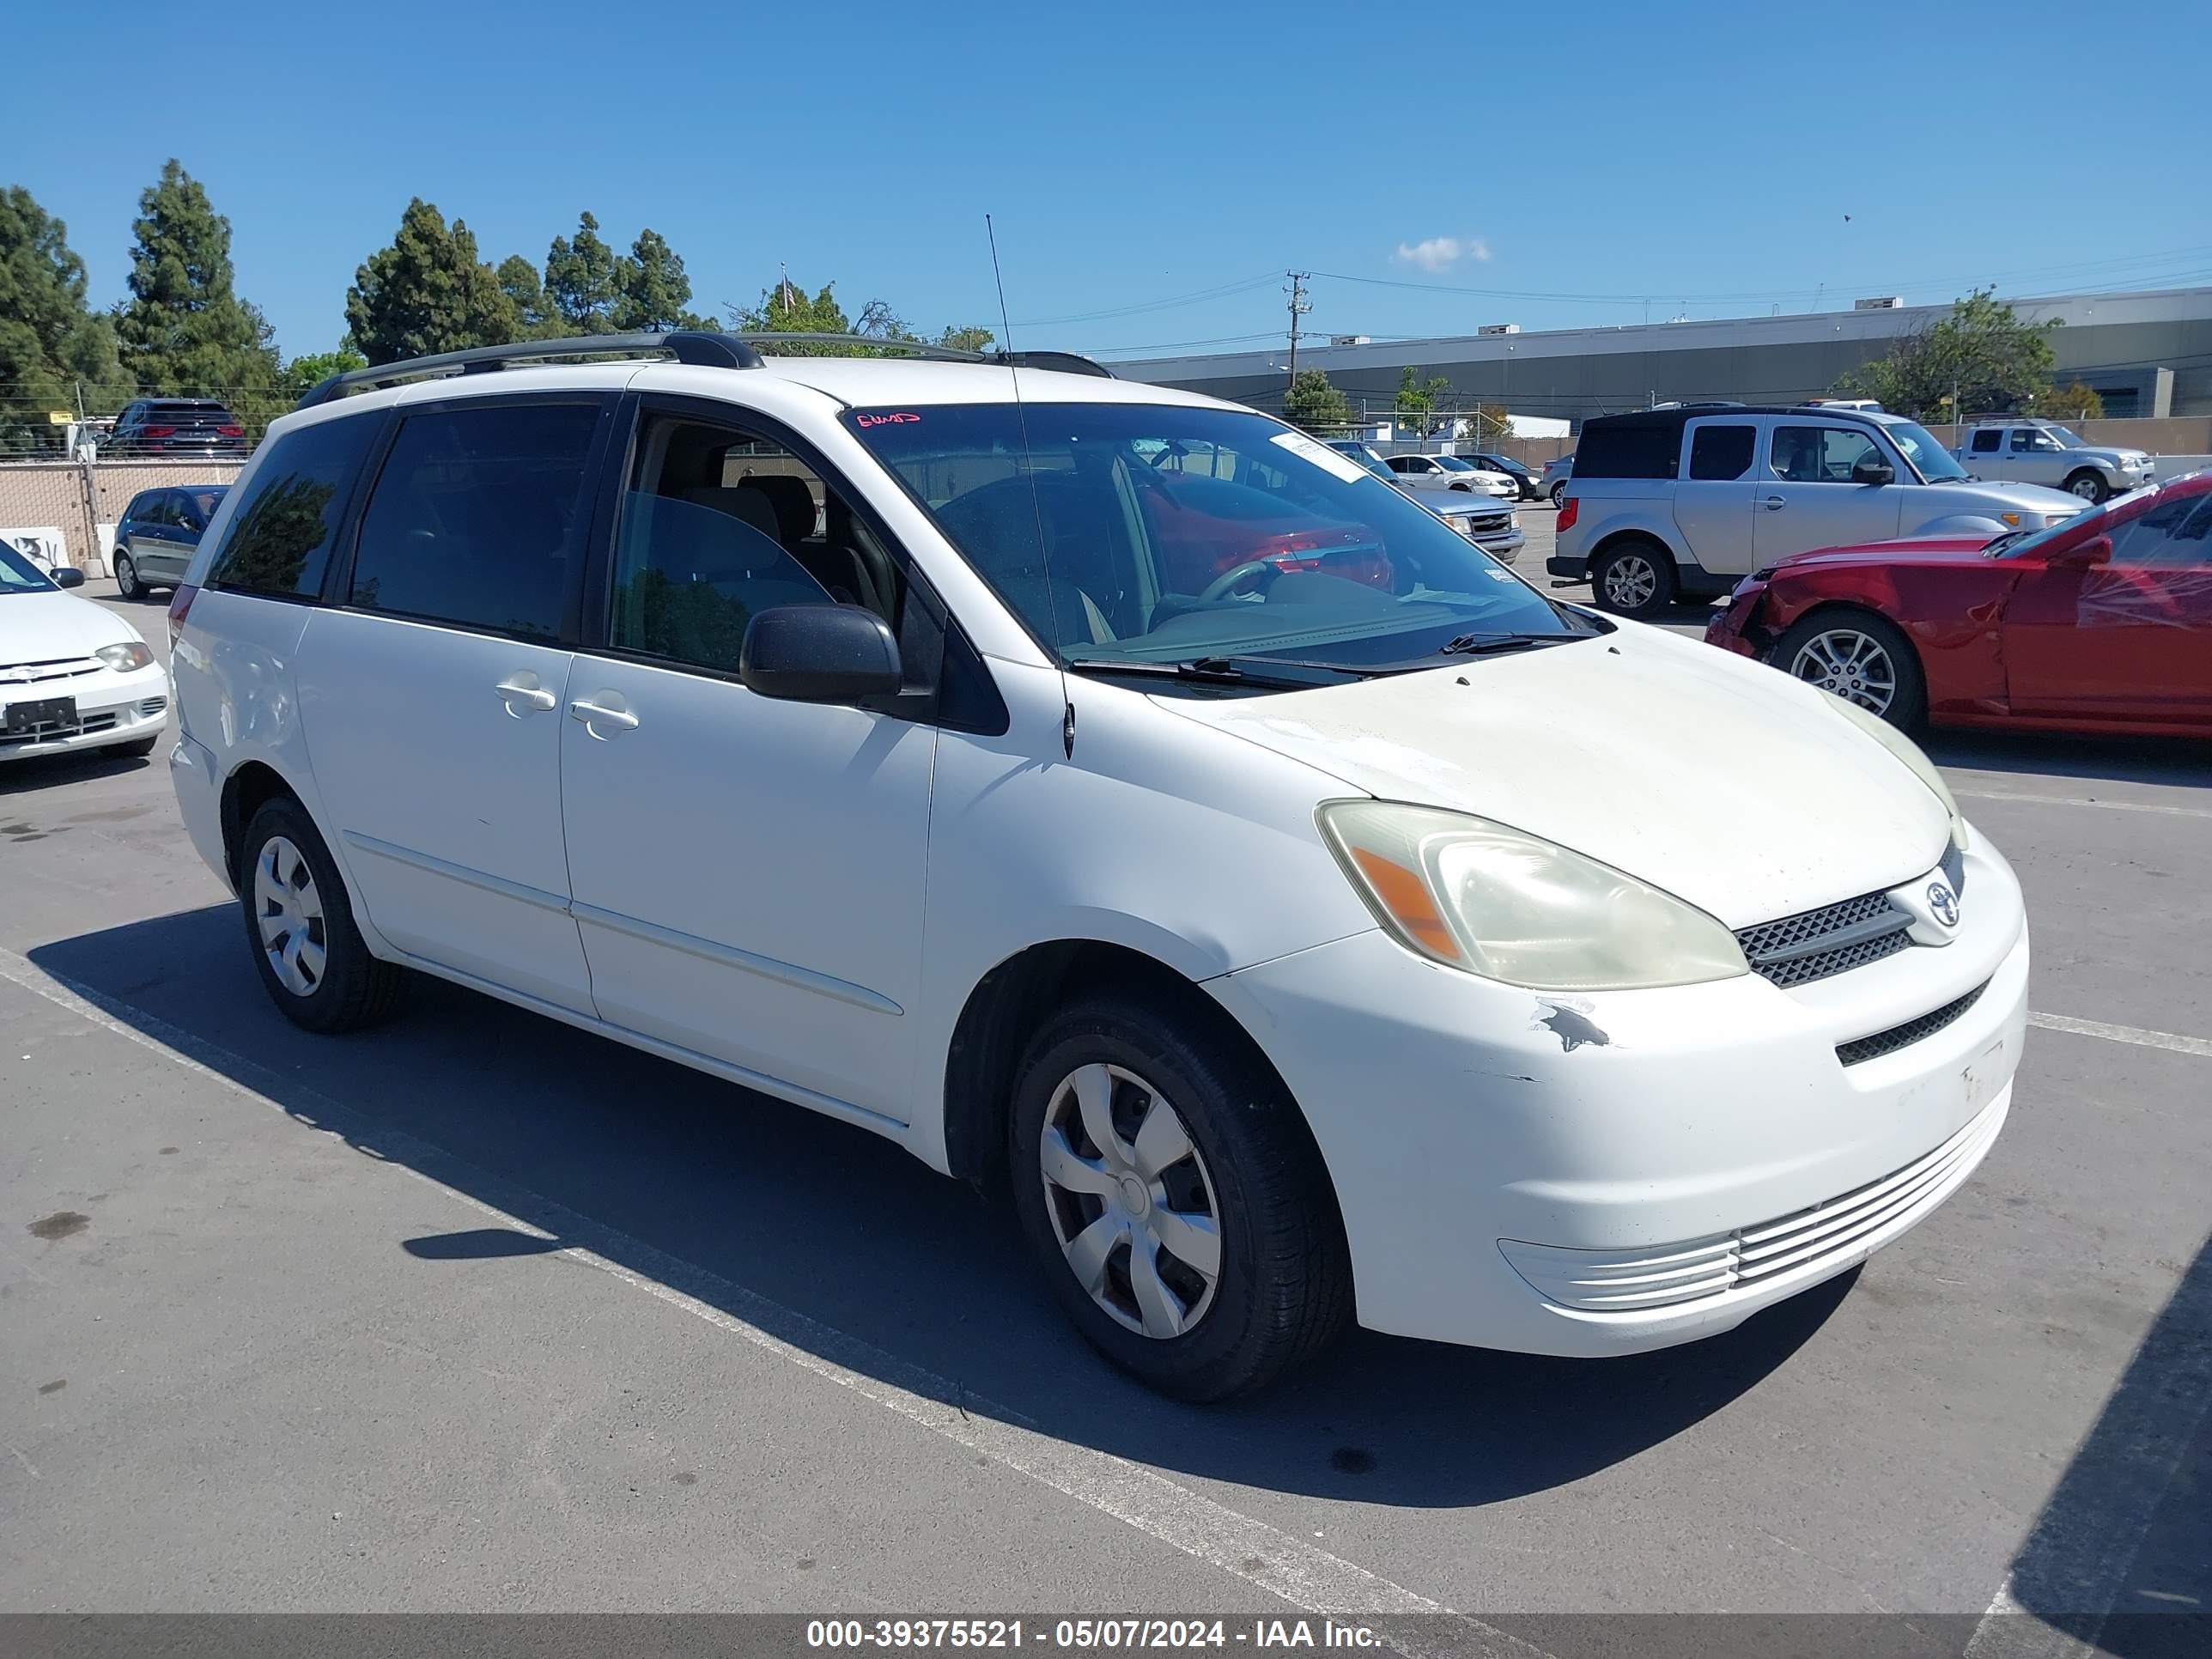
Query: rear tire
[[1558, 490], [1856, 654], [2089, 485], [1230, 1179], [127, 585], [300, 926], [1635, 577]]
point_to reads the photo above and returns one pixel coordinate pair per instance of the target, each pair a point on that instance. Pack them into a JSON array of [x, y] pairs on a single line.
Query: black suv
[[158, 534], [177, 426]]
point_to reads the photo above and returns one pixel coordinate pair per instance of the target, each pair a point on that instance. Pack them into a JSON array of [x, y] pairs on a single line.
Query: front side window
[[1722, 452], [1128, 533], [2030, 440], [479, 516], [2172, 532], [1819, 454], [718, 525], [280, 537]]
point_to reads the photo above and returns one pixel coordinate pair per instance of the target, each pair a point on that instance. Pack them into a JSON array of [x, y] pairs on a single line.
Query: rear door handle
[[1774, 503], [523, 694], [595, 715]]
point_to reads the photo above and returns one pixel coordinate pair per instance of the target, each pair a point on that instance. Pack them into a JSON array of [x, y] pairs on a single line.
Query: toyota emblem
[[1943, 902]]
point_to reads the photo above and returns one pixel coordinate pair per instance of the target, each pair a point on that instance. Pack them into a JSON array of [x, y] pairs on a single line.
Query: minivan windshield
[[1130, 533], [1935, 463]]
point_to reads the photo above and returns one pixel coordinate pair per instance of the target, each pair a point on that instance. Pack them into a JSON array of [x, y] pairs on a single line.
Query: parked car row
[[1495, 529]]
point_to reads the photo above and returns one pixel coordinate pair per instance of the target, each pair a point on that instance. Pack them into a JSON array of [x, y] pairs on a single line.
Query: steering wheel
[[1221, 585]]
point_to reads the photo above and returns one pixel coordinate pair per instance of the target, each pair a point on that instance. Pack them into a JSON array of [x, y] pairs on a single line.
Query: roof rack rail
[[1066, 362], [698, 346]]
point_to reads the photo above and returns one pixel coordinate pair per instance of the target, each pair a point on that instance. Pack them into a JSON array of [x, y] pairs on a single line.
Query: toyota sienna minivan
[[1120, 799]]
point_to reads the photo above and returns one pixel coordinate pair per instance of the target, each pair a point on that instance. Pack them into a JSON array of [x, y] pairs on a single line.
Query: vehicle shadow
[[839, 1242], [2056, 755], [25, 777], [2120, 1558]]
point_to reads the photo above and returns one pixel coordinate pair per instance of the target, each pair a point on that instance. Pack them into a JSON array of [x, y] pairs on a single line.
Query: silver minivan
[[1683, 503]]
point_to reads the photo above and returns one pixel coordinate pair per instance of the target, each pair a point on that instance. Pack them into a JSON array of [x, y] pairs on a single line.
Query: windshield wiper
[[1476, 645], [1225, 670]]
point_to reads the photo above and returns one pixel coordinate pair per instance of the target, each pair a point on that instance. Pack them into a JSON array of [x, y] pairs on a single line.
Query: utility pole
[[1299, 306]]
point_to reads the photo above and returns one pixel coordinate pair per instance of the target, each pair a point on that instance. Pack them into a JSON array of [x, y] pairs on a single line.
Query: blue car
[[159, 533]]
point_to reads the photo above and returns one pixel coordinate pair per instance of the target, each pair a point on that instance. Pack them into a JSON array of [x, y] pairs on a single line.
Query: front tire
[[1174, 1200], [1860, 656], [127, 586], [1635, 579], [300, 926], [2090, 486]]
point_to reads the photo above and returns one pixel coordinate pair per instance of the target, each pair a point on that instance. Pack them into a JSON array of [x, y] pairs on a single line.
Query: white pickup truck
[[2046, 453]]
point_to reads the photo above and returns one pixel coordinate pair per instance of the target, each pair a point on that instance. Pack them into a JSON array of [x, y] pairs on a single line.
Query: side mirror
[[2098, 549], [194, 522], [67, 575], [1870, 470], [836, 653]]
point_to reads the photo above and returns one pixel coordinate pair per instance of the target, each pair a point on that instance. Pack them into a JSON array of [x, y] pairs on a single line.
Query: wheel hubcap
[[1130, 1201], [1631, 581], [1851, 665], [2086, 489], [288, 912]]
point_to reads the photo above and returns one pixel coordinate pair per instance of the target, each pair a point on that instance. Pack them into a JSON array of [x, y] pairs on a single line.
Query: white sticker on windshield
[[1322, 456]]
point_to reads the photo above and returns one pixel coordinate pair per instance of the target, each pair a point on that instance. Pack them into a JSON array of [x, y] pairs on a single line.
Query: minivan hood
[[48, 626], [1724, 781]]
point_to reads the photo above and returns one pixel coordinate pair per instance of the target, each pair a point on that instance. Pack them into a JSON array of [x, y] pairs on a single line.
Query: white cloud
[[1443, 253]]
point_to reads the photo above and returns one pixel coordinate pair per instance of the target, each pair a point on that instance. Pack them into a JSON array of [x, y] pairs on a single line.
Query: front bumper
[[1496, 1152], [1504, 549], [111, 708]]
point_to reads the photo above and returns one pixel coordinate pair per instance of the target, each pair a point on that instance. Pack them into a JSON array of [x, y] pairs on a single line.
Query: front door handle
[[596, 715], [1774, 503], [523, 694]]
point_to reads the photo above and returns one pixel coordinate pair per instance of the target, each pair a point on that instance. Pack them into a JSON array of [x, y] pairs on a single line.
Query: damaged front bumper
[[1622, 1171]]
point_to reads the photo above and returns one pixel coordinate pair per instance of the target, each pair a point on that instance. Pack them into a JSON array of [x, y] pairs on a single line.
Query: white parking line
[[1309, 1578], [2135, 1034], [2085, 800]]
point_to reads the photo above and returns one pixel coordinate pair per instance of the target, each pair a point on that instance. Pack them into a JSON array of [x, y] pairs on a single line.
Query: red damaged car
[[2101, 624]]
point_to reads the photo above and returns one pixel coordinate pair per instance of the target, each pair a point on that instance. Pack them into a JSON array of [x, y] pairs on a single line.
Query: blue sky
[[1644, 160]]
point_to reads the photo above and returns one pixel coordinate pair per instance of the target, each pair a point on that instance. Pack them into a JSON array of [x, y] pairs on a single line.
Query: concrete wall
[[75, 504]]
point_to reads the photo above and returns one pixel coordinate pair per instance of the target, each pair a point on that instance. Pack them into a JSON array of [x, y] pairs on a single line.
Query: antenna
[[1037, 507]]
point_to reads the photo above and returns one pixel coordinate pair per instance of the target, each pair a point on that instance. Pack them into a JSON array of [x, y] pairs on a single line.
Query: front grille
[[1490, 524], [1663, 1276], [53, 668], [1898, 1037], [1815, 944], [47, 731]]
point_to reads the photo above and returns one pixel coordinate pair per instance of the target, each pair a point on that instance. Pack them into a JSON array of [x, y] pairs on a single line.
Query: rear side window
[[477, 517], [1628, 451], [1721, 452], [280, 537], [1986, 440]]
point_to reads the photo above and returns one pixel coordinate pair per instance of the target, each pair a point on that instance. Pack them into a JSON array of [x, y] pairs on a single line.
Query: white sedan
[[1450, 472], [72, 676]]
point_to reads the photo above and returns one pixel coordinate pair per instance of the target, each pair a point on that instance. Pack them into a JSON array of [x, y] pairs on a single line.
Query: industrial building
[[2147, 355]]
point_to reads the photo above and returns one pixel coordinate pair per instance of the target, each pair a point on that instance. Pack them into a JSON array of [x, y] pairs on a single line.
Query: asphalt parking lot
[[476, 1311]]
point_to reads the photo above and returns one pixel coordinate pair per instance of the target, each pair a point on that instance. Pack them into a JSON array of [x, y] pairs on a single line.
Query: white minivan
[[1122, 801]]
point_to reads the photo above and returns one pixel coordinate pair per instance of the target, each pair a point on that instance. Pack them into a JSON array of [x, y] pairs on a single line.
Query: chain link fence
[[65, 511]]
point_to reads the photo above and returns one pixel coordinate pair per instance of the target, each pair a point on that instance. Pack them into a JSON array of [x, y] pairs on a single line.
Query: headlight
[[1480, 896], [125, 658], [1908, 751]]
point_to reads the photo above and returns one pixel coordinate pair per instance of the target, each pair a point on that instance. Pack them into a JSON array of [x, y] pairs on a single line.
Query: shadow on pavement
[[2055, 755], [2121, 1556], [843, 1243], [43, 772]]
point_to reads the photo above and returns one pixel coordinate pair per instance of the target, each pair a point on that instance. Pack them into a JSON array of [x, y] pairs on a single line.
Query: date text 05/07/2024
[[1088, 1634]]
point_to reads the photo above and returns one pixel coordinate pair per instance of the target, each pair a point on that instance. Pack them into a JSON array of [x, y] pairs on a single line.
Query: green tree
[[2071, 402], [303, 374], [786, 309], [1314, 404], [1417, 400], [535, 318], [52, 343], [970, 338], [1982, 358], [583, 279], [879, 322], [427, 293], [654, 291], [184, 330]]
